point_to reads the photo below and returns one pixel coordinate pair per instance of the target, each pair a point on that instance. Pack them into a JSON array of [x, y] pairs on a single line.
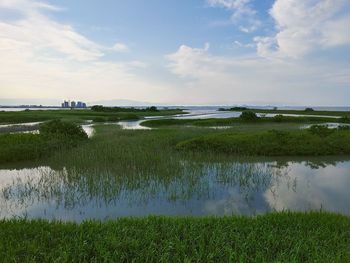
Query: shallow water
[[207, 114], [133, 125], [208, 189], [202, 114], [89, 129], [330, 125]]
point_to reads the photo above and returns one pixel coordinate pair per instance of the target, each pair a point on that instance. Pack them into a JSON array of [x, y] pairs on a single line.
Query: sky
[[176, 52]]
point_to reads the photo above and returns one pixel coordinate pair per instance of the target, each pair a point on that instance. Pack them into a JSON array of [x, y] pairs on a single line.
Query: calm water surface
[[243, 188]]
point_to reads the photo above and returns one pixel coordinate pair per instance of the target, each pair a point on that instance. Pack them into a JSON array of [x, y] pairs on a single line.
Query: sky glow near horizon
[[195, 52]]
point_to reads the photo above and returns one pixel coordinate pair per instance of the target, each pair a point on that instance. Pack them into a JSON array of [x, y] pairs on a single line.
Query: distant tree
[[239, 108], [152, 108], [97, 108], [309, 109]]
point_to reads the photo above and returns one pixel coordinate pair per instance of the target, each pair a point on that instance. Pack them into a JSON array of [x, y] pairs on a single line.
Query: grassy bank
[[238, 121], [298, 112], [54, 136], [78, 115], [317, 141], [280, 237]]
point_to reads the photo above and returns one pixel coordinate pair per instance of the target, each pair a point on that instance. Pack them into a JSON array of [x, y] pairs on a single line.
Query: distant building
[[73, 104], [81, 104], [65, 104]]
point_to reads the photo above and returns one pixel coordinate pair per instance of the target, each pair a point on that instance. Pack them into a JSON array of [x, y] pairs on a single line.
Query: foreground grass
[[279, 237], [310, 142]]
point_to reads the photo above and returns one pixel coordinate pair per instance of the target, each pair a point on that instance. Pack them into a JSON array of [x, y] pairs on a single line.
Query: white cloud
[[257, 80], [42, 58], [305, 26], [240, 44], [120, 47], [242, 13], [42, 35]]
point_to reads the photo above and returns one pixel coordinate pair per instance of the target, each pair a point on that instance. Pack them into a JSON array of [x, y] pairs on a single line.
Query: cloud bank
[[43, 58], [288, 67]]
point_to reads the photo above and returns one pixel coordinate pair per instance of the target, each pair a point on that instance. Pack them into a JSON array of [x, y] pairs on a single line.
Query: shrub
[[343, 128], [99, 119], [113, 118], [98, 108], [58, 128], [152, 108], [129, 116], [279, 118], [320, 130], [249, 116], [239, 108], [345, 119]]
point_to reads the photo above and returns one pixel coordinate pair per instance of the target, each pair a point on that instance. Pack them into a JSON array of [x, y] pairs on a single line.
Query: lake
[[239, 187]]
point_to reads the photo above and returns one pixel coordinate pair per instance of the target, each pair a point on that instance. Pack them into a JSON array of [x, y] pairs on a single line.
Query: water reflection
[[198, 189], [330, 125], [133, 125], [89, 129]]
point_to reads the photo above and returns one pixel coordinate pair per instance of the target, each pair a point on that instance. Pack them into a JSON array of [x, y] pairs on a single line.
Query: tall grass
[[54, 136], [148, 161], [282, 237], [275, 143], [278, 119]]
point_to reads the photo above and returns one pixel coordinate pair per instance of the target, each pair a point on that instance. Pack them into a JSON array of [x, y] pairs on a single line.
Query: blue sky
[[283, 52]]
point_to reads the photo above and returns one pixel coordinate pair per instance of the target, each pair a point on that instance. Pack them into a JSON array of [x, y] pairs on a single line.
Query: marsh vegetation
[[54, 136], [80, 115], [182, 167], [283, 237]]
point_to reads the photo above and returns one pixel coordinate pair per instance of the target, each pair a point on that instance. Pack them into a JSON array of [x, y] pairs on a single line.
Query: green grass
[[54, 136], [298, 112], [76, 115], [148, 163], [238, 121], [156, 150], [115, 159], [278, 237], [274, 143]]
